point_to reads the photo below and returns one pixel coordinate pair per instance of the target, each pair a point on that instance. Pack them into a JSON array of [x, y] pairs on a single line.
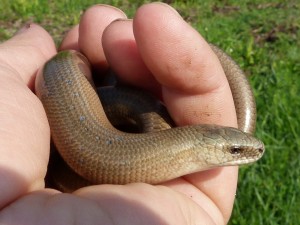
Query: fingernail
[[121, 20], [24, 28]]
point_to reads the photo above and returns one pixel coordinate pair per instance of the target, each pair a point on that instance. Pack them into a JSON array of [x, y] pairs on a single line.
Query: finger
[[37, 51], [91, 27], [194, 86], [24, 132], [185, 66], [110, 204], [124, 58], [70, 41]]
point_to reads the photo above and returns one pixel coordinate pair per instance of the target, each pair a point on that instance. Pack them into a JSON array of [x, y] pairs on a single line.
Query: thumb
[[24, 53], [24, 131]]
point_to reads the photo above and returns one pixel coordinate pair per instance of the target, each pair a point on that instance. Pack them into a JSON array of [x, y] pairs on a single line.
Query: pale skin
[[158, 51]]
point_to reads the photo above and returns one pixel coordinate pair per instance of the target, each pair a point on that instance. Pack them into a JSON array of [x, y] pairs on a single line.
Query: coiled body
[[97, 151]]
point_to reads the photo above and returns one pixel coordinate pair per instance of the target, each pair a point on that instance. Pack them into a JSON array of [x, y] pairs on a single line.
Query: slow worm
[[98, 152]]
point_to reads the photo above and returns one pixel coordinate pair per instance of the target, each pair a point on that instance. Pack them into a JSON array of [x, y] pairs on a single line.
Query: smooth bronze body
[[98, 152]]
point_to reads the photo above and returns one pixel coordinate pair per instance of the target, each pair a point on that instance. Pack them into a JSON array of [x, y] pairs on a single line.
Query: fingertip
[[173, 51], [38, 36], [70, 40], [91, 27], [27, 51], [124, 58]]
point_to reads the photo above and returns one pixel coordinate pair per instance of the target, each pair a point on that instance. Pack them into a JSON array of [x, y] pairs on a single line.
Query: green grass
[[263, 37]]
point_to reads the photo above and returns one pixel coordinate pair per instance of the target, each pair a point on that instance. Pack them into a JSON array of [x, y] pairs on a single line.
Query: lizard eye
[[235, 150]]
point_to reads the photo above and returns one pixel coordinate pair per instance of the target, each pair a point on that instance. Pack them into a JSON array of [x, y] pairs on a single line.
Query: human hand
[[157, 51]]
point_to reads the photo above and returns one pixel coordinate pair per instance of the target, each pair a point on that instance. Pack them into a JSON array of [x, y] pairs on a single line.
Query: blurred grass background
[[263, 37]]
